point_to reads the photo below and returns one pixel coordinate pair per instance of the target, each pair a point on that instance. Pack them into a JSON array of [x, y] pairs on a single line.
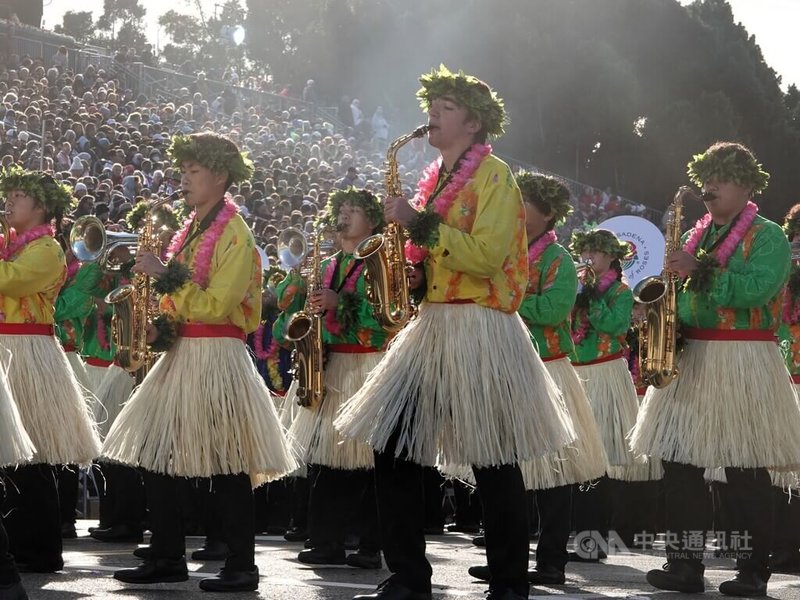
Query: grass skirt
[[581, 461], [15, 444], [287, 413], [52, 405], [113, 391], [202, 410], [651, 469], [732, 406], [464, 385], [612, 397], [312, 434], [79, 369], [95, 375]]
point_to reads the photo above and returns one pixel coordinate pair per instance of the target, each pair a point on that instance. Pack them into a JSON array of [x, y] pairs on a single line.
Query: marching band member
[[354, 340], [732, 405], [51, 403], [461, 383], [203, 410]]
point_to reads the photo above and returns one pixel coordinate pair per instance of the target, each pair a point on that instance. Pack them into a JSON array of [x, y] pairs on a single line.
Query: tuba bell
[[90, 242]]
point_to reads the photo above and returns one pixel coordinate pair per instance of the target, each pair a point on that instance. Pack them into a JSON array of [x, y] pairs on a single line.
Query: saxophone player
[[462, 382], [342, 469], [203, 409], [732, 404], [32, 272]]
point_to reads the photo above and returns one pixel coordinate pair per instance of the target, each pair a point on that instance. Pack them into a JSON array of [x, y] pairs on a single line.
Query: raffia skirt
[[52, 405], [612, 397], [288, 410], [461, 384], [202, 410], [95, 372], [644, 469], [583, 460], [312, 433], [15, 444], [732, 406], [79, 369], [113, 391]]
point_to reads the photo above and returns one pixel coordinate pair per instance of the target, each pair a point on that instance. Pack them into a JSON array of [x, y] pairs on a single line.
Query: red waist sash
[[555, 357], [203, 330], [598, 361], [352, 349], [27, 329], [729, 335]]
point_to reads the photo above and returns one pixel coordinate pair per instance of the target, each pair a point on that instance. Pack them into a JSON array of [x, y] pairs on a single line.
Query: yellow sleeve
[[227, 286], [482, 251], [38, 267]]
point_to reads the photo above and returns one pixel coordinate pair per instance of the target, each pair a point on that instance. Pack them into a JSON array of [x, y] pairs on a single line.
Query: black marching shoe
[[479, 572], [479, 541], [392, 590], [545, 575], [505, 594], [118, 534], [595, 557], [785, 562], [155, 570], [40, 565], [745, 583], [365, 560], [13, 591], [212, 550], [678, 576], [296, 534], [463, 528], [68, 531], [323, 555], [143, 552], [231, 581]]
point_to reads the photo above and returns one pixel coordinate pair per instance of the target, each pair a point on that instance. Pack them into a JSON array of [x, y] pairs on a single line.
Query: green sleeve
[[611, 314], [76, 301], [291, 297], [555, 301], [756, 281]]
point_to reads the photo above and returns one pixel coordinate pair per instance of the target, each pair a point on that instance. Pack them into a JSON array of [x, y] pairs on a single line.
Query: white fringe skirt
[[461, 384], [731, 406], [54, 409], [95, 375], [79, 369], [644, 469], [113, 391], [581, 461], [612, 397], [202, 410], [288, 410], [15, 444], [312, 434]]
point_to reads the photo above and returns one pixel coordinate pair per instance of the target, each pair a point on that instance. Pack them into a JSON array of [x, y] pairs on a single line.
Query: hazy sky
[[773, 22]]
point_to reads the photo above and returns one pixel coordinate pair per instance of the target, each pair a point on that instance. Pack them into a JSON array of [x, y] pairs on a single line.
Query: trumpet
[[586, 272], [90, 242]]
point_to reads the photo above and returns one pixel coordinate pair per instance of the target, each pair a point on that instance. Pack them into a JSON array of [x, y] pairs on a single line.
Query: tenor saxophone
[[384, 253]]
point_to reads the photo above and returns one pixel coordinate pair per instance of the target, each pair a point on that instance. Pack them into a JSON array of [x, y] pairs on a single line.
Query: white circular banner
[[647, 243]]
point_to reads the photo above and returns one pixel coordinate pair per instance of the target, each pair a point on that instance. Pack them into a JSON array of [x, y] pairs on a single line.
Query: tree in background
[[79, 25], [121, 24]]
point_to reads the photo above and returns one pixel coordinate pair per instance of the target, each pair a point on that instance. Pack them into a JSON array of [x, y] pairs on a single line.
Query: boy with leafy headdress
[[462, 383], [732, 405]]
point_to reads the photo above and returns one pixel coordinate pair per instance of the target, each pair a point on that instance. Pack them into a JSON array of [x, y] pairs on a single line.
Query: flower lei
[[540, 245], [72, 268], [26, 238], [205, 252], [332, 324], [727, 247], [445, 200], [102, 338], [268, 354], [791, 302], [605, 282]]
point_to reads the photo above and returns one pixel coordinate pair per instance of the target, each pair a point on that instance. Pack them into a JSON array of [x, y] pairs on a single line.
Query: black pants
[[340, 498], [468, 505], [232, 499], [122, 497], [8, 570], [299, 490], [786, 528], [554, 507], [634, 507], [32, 515], [591, 506], [433, 482], [747, 503], [401, 508], [68, 492]]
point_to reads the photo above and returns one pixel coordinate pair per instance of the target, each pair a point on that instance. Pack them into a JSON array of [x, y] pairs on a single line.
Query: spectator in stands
[[61, 58]]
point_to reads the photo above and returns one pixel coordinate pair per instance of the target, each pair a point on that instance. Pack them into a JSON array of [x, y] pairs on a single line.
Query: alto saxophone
[[133, 303], [385, 256], [657, 333], [304, 329]]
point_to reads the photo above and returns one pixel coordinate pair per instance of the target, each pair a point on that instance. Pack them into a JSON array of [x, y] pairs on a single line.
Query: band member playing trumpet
[[203, 410], [342, 477], [732, 404], [462, 382], [51, 403]]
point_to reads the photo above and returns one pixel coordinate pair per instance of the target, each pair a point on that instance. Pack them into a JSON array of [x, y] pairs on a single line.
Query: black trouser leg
[[433, 480], [106, 502], [468, 505], [278, 504], [261, 505], [786, 520], [335, 495], [749, 491], [233, 503], [554, 507], [368, 526], [8, 570], [299, 507], [401, 512], [591, 505], [67, 492], [127, 492], [165, 499], [33, 518], [633, 510], [687, 510], [505, 524]]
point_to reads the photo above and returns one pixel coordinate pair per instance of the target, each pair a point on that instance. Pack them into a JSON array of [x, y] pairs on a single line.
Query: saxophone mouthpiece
[[707, 196], [421, 130]]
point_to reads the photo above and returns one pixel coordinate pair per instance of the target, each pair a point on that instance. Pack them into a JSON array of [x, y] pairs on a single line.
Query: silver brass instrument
[[384, 253], [585, 271], [90, 242], [657, 333]]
